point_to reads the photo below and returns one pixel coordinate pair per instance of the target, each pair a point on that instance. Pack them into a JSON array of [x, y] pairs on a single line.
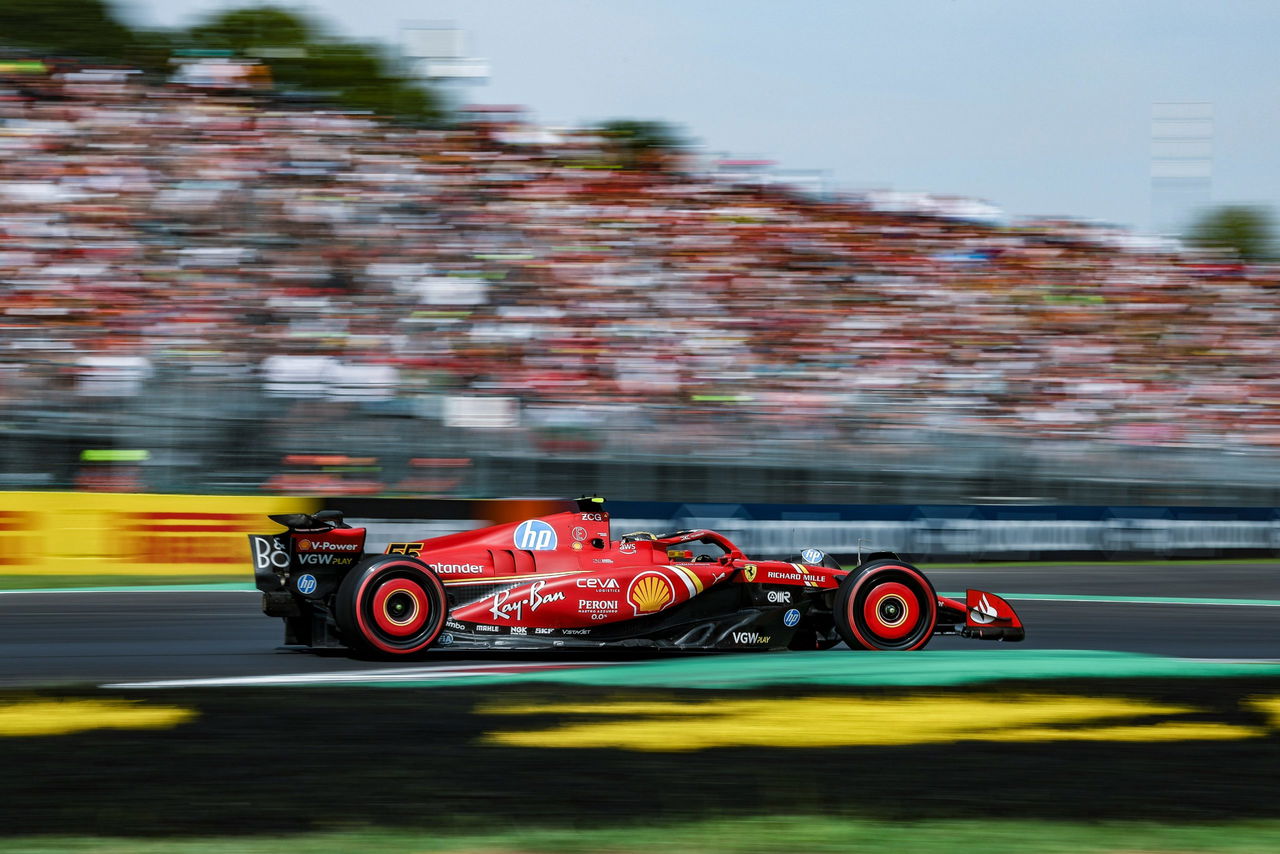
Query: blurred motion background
[[250, 255]]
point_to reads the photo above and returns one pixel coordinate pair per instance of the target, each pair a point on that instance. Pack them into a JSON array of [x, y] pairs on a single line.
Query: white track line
[[410, 674]]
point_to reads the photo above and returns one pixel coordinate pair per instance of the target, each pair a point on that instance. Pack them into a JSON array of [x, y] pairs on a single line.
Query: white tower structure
[[1181, 163], [436, 52]]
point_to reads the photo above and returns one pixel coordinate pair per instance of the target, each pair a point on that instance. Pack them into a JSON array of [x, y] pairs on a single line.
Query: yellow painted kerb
[[61, 717], [862, 722]]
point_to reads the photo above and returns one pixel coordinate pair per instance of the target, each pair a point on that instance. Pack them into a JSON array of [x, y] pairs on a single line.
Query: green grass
[[794, 835]]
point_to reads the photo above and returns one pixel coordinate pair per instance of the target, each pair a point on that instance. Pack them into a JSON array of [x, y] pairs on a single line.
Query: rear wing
[[310, 557]]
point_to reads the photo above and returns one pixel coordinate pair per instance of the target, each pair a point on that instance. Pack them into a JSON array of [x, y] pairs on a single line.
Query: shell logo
[[304, 545], [649, 593]]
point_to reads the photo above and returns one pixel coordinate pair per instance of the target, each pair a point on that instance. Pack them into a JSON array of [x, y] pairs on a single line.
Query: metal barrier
[[212, 434]]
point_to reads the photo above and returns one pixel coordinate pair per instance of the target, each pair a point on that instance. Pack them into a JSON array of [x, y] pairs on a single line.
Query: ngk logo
[[321, 546]]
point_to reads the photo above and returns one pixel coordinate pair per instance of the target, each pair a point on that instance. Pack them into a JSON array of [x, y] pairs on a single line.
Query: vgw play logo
[[535, 535]]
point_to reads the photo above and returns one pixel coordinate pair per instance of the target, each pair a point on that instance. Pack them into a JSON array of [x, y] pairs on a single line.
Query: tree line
[[307, 60]]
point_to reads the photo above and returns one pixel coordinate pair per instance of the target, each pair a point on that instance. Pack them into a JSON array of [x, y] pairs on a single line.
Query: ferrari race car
[[562, 581]]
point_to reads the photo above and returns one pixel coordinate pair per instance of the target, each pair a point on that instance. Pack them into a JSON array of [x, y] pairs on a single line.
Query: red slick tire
[[886, 605], [391, 605]]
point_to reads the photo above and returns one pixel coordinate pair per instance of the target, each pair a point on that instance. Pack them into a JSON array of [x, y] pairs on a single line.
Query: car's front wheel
[[888, 605], [391, 605]]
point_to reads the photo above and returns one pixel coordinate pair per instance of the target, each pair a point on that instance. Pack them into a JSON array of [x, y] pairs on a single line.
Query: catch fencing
[[977, 532], [918, 532]]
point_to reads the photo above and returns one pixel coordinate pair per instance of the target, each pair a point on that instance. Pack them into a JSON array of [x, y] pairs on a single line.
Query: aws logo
[[650, 592]]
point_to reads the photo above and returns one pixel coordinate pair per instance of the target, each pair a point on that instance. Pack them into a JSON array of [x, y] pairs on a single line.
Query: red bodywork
[[567, 572], [562, 579]]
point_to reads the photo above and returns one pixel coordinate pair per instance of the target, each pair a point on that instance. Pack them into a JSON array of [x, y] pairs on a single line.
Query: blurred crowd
[[516, 272]]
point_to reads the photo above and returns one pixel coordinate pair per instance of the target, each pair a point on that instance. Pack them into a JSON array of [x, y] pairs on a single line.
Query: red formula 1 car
[[562, 581]]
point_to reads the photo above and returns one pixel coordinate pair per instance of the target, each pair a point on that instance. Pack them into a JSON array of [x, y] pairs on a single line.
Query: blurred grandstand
[[209, 290]]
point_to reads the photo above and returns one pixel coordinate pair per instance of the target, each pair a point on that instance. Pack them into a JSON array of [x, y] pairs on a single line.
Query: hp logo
[[790, 618], [306, 584], [535, 536]]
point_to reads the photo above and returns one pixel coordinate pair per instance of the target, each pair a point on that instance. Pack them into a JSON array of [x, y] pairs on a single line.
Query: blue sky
[[1041, 107]]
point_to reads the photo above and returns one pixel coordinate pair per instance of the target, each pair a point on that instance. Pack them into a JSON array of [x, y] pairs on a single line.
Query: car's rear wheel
[[391, 605], [887, 605]]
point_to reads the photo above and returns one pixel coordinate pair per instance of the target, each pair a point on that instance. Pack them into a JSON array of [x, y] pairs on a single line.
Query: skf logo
[[749, 572], [650, 592]]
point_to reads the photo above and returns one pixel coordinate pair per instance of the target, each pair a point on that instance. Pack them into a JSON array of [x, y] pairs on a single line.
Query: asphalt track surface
[[106, 637]]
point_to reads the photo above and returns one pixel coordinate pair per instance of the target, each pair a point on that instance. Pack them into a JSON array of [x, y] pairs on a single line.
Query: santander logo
[[984, 613]]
